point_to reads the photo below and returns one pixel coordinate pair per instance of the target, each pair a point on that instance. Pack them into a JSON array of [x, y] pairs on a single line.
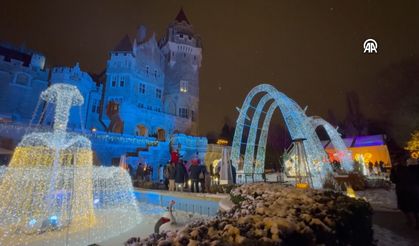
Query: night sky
[[310, 50]]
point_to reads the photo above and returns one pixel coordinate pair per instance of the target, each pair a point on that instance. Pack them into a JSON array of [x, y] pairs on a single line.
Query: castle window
[[140, 105], [147, 69], [158, 93], [181, 35], [155, 73], [141, 130], [113, 83], [22, 79], [183, 86], [94, 106], [115, 99], [193, 115], [149, 107], [183, 112], [142, 88], [158, 109], [121, 83]]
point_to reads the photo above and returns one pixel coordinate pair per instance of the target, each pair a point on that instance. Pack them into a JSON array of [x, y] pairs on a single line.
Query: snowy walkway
[[390, 229], [380, 199], [389, 223]]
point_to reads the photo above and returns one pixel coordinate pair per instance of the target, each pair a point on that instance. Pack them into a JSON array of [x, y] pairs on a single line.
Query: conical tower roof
[[182, 17]]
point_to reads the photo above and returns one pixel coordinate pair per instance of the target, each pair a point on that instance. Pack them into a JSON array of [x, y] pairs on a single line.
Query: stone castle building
[[152, 87], [149, 90]]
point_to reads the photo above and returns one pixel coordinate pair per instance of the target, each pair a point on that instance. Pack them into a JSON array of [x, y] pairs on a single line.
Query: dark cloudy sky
[[310, 50]]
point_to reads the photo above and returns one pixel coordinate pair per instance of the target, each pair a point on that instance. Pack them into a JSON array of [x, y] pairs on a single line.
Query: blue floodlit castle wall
[[159, 80], [142, 106], [86, 115], [22, 78]]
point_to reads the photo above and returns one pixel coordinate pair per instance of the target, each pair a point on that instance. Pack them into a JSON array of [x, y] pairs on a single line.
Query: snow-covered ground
[[150, 215], [386, 237], [380, 199]]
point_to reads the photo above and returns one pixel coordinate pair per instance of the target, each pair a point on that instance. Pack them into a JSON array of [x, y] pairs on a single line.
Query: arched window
[[141, 131], [183, 112], [161, 134]]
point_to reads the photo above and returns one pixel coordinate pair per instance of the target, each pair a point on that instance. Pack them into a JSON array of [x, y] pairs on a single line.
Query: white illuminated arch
[[344, 156], [298, 125]]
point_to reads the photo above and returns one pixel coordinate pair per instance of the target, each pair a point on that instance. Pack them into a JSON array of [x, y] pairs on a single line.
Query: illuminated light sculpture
[[52, 195], [298, 124], [344, 156], [302, 172], [226, 174]]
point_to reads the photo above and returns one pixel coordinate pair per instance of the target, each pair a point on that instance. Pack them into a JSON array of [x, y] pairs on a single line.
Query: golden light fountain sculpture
[[47, 193]]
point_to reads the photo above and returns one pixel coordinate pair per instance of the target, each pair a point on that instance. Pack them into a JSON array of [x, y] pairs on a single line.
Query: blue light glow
[[32, 222]]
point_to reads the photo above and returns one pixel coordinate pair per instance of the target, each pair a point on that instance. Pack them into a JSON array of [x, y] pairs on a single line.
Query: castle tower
[[182, 50]]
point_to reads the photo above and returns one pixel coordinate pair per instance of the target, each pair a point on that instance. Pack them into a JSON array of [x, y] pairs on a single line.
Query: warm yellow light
[[350, 192], [301, 186], [29, 172], [222, 142], [413, 143], [365, 157]]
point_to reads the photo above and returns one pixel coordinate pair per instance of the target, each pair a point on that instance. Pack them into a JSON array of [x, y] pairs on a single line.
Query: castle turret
[[86, 115], [182, 51], [22, 78]]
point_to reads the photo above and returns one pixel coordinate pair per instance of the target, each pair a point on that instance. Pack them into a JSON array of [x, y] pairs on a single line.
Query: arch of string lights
[[51, 194], [342, 152], [298, 125]]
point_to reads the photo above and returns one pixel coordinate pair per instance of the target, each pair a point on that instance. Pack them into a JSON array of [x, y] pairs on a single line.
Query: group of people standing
[[178, 172], [144, 172], [377, 168]]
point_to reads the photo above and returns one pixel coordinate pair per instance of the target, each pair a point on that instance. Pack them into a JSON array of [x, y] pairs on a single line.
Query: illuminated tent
[[368, 148]]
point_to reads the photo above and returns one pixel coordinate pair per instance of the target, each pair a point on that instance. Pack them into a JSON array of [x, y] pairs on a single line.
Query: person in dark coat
[[211, 170], [194, 172], [140, 172], [186, 176], [180, 172], [233, 172], [171, 173], [202, 174], [406, 178]]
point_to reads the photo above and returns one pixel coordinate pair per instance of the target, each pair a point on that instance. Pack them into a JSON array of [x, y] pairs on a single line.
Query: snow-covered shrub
[[357, 181], [271, 214]]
